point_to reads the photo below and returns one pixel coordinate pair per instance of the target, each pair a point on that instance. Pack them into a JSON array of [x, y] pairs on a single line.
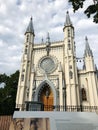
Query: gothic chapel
[[49, 72]]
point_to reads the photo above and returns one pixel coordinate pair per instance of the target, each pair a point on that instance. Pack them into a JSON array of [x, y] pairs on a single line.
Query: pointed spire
[[68, 21], [42, 40], [30, 28], [48, 39], [88, 51]]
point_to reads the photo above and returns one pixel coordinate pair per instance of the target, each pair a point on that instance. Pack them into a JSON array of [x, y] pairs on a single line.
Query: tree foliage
[[92, 10], [8, 93]]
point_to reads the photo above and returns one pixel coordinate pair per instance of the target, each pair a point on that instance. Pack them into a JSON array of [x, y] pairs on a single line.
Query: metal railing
[[59, 108], [71, 108]]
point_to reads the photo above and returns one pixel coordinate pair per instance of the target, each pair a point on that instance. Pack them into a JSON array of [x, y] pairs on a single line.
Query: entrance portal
[[46, 97]]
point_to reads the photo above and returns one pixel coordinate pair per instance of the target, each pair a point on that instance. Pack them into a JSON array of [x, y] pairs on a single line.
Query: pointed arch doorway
[[45, 96]]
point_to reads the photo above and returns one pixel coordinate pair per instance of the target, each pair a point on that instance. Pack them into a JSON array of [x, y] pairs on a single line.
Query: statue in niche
[[70, 74]]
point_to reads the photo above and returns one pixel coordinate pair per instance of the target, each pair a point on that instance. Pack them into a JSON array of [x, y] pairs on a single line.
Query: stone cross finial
[[48, 44]]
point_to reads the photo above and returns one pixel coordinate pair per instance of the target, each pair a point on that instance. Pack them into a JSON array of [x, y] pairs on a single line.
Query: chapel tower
[[70, 63], [26, 64], [91, 77]]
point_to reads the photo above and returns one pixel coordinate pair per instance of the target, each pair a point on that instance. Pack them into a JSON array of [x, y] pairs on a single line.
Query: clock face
[[47, 64]]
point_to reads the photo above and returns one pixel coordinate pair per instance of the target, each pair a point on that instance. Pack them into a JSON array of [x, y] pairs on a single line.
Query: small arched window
[[70, 66], [23, 70], [69, 46], [83, 93]]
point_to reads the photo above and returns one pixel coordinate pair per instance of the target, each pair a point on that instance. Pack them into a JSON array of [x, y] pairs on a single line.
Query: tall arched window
[[68, 33], [83, 93]]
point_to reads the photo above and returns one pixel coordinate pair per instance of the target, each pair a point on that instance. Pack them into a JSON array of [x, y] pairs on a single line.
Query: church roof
[[30, 28], [88, 51], [68, 21]]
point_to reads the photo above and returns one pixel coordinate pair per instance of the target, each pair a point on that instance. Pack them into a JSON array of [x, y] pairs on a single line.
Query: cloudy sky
[[48, 16]]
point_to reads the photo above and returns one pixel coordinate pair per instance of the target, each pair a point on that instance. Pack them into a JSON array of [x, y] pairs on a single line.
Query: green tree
[[92, 10], [8, 93]]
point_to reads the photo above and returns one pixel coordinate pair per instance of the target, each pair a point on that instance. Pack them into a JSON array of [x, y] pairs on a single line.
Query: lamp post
[[64, 99]]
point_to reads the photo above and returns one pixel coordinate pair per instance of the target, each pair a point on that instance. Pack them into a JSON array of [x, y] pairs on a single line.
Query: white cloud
[[48, 16], [3, 9]]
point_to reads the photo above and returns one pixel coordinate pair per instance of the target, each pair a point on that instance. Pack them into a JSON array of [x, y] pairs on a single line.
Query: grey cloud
[[47, 17]]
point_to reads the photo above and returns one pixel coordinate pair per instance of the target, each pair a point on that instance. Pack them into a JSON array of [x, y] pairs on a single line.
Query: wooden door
[[46, 97]]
